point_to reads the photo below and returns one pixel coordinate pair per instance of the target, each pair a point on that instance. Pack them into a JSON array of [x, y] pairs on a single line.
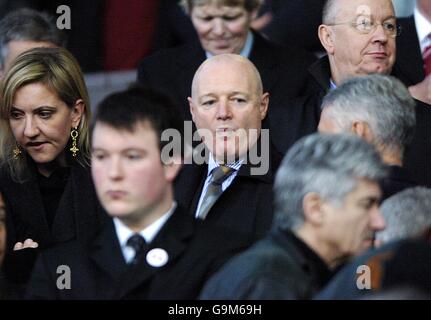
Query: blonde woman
[[44, 154]]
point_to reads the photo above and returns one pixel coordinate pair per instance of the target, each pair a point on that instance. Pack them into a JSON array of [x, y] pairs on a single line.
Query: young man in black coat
[[149, 249]]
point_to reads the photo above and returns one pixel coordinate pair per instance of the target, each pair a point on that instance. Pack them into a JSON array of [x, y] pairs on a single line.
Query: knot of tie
[[220, 174], [137, 243]]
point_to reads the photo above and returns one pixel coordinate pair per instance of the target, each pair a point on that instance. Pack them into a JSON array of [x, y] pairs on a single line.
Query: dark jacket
[[417, 156], [409, 55], [245, 207], [98, 270], [396, 266], [279, 266], [398, 179]]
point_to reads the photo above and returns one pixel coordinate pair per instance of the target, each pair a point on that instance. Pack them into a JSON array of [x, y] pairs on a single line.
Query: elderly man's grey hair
[[31, 25], [329, 12], [407, 214], [327, 164], [383, 102]]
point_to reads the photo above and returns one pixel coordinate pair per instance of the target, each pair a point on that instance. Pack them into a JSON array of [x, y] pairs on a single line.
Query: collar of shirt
[[423, 28], [332, 85], [149, 233], [245, 52]]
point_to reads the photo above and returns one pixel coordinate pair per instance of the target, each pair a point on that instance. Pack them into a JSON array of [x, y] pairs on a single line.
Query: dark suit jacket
[[98, 270], [399, 178], [77, 216], [283, 71], [280, 266], [245, 207], [417, 157], [396, 266], [409, 55]]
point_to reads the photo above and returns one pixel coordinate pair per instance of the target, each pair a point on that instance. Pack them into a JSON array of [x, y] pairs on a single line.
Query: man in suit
[[224, 27], [228, 106], [414, 50], [327, 210], [380, 110], [149, 249]]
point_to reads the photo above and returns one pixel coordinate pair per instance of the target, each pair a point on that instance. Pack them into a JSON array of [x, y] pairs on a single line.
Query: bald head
[[228, 103], [231, 62]]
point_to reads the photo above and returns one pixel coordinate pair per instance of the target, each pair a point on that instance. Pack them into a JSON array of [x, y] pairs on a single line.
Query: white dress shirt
[[149, 233], [423, 29]]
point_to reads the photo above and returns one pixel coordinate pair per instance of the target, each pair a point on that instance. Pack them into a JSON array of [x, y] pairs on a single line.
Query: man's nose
[[378, 222], [223, 110]]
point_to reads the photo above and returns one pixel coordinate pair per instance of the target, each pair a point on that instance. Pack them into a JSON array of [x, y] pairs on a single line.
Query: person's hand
[[29, 243], [422, 90]]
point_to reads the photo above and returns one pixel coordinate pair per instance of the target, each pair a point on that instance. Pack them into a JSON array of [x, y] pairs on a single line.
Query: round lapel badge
[[157, 257]]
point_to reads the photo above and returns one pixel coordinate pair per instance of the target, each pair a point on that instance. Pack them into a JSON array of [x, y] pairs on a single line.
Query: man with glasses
[[359, 38]]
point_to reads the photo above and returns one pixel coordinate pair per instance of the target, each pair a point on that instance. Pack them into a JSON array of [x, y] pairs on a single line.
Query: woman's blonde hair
[[60, 72], [249, 5]]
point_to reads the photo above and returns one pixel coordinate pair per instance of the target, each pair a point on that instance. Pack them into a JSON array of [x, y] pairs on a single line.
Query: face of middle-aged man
[[226, 101], [354, 53], [130, 179], [221, 29], [350, 226]]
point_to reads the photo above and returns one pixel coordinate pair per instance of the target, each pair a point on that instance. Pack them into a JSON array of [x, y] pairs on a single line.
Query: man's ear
[[362, 130], [312, 206], [191, 107], [172, 168], [326, 36], [264, 105]]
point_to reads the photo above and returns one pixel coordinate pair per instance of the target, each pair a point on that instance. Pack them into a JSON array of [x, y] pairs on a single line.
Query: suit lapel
[[106, 253], [189, 184]]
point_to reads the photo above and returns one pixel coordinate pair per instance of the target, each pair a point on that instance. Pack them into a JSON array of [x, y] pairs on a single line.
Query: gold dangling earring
[[16, 152], [74, 136]]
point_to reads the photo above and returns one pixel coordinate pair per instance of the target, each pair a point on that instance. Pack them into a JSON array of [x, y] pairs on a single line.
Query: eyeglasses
[[366, 26]]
